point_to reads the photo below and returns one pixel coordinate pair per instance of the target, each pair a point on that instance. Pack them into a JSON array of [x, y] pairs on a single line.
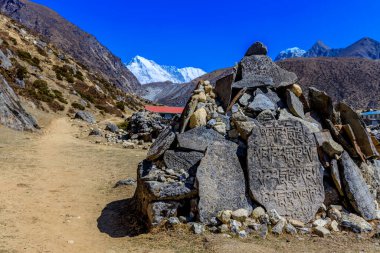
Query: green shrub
[[120, 105], [55, 106], [78, 106], [21, 72], [41, 91], [27, 57], [58, 95], [41, 51], [123, 125]]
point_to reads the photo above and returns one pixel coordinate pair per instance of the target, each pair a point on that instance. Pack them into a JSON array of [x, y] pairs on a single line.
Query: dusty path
[[53, 188], [57, 195]]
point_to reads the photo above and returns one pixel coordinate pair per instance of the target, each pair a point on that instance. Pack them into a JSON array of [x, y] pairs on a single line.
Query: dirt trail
[[53, 188], [57, 195]]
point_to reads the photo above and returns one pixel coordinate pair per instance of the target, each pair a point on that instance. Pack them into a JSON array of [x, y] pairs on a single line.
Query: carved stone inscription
[[284, 170]]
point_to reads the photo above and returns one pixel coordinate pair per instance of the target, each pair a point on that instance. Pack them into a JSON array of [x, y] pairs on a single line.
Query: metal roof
[[370, 113], [164, 109]]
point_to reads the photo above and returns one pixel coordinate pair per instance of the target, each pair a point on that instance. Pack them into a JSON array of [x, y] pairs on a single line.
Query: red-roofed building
[[167, 112]]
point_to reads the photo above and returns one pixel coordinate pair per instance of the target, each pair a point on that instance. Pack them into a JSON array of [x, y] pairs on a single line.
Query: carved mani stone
[[283, 169], [163, 142], [179, 160], [198, 138], [221, 181]]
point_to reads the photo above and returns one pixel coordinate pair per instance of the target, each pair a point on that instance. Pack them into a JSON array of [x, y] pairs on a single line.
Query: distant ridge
[[366, 48]]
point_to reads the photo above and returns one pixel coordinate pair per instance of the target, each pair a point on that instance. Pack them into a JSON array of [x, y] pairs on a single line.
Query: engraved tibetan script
[[284, 171]]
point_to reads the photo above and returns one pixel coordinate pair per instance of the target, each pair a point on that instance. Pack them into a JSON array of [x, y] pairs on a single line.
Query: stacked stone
[[255, 142], [145, 126]]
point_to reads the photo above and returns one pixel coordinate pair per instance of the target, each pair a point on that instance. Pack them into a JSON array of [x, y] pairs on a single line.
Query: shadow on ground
[[120, 219]]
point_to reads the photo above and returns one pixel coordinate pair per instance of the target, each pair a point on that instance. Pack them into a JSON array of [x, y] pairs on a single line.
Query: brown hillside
[[355, 81]]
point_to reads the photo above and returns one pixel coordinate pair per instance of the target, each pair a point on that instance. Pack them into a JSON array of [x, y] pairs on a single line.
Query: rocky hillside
[[366, 48], [355, 81], [73, 41], [50, 80], [171, 94]]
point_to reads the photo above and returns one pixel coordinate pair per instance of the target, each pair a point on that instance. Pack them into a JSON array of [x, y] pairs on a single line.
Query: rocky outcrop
[[12, 114]]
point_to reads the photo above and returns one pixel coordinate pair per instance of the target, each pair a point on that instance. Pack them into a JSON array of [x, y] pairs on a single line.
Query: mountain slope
[[34, 76], [73, 41], [355, 81], [148, 71]]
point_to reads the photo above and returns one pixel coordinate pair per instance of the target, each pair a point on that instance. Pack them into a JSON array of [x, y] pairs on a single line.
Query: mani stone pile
[[255, 154]]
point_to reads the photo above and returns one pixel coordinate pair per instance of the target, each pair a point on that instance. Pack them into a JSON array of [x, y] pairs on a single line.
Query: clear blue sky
[[216, 34]]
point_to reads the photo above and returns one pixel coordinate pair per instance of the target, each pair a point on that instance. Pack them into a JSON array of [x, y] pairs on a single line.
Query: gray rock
[[261, 65], [356, 188], [271, 95], [198, 139], [163, 142], [173, 221], [355, 223], [5, 61], [168, 190], [220, 178], [321, 231], [279, 227], [335, 175], [320, 102], [290, 229], [350, 117], [179, 160], [96, 132], [266, 115], [112, 127], [263, 231], [157, 212], [246, 99], [257, 212], [12, 114], [371, 174], [284, 170], [313, 127], [253, 81], [235, 226], [258, 48], [128, 181], [261, 103], [274, 217], [85, 116], [198, 228], [294, 104], [242, 234]]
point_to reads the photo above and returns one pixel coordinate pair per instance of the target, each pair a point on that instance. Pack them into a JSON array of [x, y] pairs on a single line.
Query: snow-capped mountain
[[148, 71], [293, 52]]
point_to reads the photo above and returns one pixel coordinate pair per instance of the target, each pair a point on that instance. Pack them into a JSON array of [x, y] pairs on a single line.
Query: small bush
[[41, 52], [27, 57], [21, 72], [59, 96], [120, 105], [55, 106], [78, 106], [123, 125], [14, 41]]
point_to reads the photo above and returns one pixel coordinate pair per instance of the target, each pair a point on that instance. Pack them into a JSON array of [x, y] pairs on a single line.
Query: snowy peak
[[293, 52], [148, 71]]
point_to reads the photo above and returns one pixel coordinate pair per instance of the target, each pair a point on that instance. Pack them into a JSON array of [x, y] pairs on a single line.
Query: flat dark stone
[[223, 88], [284, 170], [257, 48], [294, 104], [261, 65], [261, 103], [356, 189], [320, 102], [168, 191], [350, 117], [253, 81], [180, 160], [163, 142], [221, 182], [198, 139]]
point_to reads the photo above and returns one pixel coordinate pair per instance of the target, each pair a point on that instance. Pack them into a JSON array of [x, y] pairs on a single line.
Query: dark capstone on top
[[257, 48]]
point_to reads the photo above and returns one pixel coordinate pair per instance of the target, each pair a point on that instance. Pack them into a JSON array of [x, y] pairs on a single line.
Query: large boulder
[[85, 116], [163, 142], [257, 48], [198, 139], [263, 66], [221, 182], [283, 169]]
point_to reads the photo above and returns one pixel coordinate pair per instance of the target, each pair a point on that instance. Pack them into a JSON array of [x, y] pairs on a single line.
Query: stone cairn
[[254, 154]]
